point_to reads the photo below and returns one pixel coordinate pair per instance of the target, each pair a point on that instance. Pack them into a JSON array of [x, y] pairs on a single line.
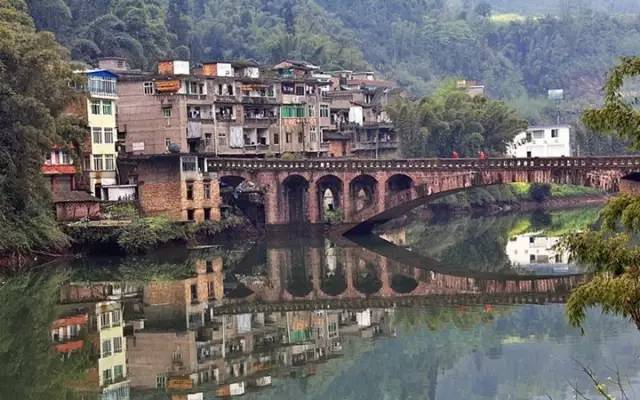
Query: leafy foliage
[[34, 89], [451, 120], [540, 192]]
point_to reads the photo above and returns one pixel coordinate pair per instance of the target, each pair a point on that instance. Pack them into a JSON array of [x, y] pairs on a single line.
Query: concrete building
[[112, 363], [537, 252], [542, 141]]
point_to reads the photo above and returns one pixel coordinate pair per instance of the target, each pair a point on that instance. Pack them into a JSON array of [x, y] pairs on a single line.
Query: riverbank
[[516, 197]]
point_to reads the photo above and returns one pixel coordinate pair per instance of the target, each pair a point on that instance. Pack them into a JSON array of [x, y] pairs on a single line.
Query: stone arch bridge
[[366, 193]]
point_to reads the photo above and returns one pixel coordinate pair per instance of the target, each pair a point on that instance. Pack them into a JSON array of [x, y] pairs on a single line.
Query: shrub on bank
[[540, 192]]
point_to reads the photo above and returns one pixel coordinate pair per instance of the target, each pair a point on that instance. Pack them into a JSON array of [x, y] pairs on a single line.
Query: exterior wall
[[141, 116], [530, 249], [339, 148], [152, 354], [630, 187], [546, 146], [104, 177], [159, 188], [109, 333], [74, 211]]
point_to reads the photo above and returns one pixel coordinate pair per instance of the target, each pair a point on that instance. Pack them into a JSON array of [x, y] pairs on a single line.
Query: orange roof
[[72, 320], [69, 346], [60, 169]]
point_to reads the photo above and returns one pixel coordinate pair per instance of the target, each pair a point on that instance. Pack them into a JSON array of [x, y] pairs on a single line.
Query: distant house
[[74, 205], [542, 141]]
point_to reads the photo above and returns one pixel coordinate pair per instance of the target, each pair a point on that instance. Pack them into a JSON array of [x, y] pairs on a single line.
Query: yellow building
[[112, 364], [101, 119]]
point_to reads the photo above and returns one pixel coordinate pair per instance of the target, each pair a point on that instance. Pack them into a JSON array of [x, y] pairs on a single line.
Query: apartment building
[[237, 109], [357, 102]]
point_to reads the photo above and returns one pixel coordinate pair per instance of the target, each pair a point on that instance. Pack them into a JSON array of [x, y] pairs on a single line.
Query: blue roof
[[102, 73]]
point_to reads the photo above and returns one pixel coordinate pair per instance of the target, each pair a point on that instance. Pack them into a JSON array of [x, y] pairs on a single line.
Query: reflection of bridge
[[305, 278], [369, 192]]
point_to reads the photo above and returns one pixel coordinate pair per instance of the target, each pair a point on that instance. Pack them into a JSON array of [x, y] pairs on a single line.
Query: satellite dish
[[174, 148]]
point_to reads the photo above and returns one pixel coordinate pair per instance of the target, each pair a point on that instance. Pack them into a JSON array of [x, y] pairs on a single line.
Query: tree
[[611, 251], [34, 88], [451, 120]]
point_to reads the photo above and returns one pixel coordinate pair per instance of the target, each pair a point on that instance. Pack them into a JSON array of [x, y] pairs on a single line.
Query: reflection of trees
[[473, 353], [479, 243], [29, 367]]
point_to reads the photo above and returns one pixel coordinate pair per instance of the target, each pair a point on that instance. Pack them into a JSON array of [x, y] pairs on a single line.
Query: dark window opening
[[190, 215]]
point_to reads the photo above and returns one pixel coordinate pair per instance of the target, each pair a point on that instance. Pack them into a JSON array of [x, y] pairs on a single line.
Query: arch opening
[[296, 193], [367, 280], [399, 182], [329, 196], [403, 284], [363, 192], [299, 279]]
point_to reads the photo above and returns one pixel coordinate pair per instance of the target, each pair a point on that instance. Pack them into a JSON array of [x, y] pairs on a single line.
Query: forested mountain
[[559, 44]]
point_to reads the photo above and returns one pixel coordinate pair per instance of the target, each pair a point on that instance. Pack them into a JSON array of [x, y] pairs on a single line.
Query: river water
[[462, 308]]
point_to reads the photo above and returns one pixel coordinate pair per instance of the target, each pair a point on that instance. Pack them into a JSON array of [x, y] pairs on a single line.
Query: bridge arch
[[295, 192], [403, 284], [329, 190], [363, 191], [399, 182], [299, 278], [367, 279]]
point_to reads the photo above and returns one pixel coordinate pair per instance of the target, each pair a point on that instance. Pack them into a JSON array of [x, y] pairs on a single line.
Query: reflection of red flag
[[488, 308]]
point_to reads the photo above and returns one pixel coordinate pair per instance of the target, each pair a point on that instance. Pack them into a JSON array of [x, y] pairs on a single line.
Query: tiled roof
[[73, 196]]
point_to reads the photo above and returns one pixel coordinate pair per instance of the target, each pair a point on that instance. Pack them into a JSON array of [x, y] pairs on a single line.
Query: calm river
[[466, 308]]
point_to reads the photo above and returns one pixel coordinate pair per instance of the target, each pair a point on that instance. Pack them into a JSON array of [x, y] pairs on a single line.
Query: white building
[[542, 141], [533, 251]]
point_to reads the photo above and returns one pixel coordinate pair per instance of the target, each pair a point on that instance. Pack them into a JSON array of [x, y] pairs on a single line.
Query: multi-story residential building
[[357, 102], [100, 148], [235, 109], [112, 363], [60, 170], [542, 141]]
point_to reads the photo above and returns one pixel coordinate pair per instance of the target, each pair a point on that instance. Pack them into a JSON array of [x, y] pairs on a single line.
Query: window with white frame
[[118, 372], [107, 107], [96, 133], [95, 107], [554, 133], [115, 316], [311, 111], [166, 112], [109, 165], [106, 376], [108, 135], [148, 88], [117, 345], [324, 110], [161, 381], [98, 166], [104, 318], [106, 348]]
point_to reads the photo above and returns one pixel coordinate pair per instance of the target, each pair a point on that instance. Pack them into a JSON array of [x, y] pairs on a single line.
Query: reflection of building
[[542, 141], [96, 331], [535, 251]]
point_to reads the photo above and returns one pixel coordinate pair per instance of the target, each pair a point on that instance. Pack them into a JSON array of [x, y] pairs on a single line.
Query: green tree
[[34, 76], [611, 250], [451, 120]]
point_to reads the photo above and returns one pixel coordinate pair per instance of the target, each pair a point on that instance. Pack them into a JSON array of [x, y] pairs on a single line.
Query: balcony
[[373, 145], [259, 100]]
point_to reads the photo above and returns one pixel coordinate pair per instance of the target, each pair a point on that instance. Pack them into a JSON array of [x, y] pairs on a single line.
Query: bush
[[540, 192], [121, 211], [333, 217], [144, 234], [212, 228]]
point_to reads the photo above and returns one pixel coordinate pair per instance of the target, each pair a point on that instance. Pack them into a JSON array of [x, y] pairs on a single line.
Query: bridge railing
[[214, 164]]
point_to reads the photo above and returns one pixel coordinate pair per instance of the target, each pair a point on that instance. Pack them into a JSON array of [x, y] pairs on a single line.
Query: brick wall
[[629, 186], [159, 187]]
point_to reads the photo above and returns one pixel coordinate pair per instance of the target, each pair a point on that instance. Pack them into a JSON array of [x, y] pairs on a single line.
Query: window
[[166, 112], [115, 318], [288, 137], [190, 215], [276, 138], [207, 190], [222, 139], [554, 133], [207, 214], [293, 112], [117, 345], [106, 376], [299, 90], [324, 110], [167, 144], [64, 158], [312, 134], [207, 139], [189, 164], [97, 163], [161, 381], [189, 190], [148, 88], [300, 137], [109, 164], [117, 372], [529, 137], [102, 86], [107, 107], [106, 348], [97, 135], [108, 135], [538, 134], [311, 111], [95, 107]]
